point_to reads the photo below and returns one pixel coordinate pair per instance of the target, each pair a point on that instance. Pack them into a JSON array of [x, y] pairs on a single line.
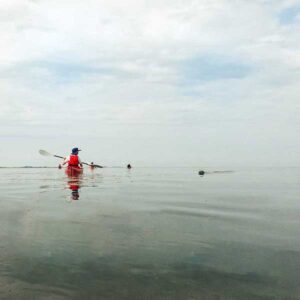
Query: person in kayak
[[72, 160]]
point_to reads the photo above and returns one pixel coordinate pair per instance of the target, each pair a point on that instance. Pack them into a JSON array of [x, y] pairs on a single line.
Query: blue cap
[[75, 150]]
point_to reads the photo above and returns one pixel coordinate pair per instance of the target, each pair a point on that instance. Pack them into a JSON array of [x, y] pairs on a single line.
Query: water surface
[[150, 233]]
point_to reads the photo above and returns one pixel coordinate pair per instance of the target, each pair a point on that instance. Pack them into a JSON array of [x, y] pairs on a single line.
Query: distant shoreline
[[28, 167]]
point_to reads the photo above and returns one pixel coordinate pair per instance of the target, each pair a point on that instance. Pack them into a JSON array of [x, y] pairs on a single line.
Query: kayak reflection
[[74, 181]]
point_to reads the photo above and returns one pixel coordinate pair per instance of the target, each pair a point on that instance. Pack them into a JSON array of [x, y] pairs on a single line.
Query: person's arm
[[80, 163], [66, 159]]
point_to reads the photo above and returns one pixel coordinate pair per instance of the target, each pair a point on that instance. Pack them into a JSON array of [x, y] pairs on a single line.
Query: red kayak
[[73, 171]]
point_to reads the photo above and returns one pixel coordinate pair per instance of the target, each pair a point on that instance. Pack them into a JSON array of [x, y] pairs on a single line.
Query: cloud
[[193, 75]]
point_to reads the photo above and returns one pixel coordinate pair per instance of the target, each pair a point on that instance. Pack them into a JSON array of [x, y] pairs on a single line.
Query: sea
[[150, 233]]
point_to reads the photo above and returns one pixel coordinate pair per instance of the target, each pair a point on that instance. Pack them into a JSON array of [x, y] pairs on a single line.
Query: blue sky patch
[[289, 15], [68, 72], [209, 68]]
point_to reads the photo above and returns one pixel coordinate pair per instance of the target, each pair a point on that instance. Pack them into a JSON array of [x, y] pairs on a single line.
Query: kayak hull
[[73, 171]]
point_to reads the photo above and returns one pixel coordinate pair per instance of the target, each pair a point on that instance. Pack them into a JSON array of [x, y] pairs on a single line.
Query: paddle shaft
[[84, 163]]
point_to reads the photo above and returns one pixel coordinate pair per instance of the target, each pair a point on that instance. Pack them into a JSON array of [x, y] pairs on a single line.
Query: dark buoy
[[128, 166], [201, 172]]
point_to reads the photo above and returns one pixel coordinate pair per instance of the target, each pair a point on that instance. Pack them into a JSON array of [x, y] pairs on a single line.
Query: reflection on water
[[149, 234], [74, 181]]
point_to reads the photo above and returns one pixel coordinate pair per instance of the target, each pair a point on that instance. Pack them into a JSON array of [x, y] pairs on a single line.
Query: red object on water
[[73, 171], [74, 160]]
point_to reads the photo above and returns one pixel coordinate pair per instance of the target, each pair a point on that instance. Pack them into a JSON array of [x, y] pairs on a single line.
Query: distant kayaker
[[92, 166], [73, 159], [129, 166]]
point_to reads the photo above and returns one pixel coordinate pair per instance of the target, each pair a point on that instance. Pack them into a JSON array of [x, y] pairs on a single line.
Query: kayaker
[[92, 166], [129, 166], [72, 160]]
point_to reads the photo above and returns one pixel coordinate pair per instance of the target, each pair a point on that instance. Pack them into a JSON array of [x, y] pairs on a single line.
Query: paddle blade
[[45, 153]]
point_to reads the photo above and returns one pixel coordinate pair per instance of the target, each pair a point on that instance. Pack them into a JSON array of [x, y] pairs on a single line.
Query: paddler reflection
[[74, 186], [74, 183]]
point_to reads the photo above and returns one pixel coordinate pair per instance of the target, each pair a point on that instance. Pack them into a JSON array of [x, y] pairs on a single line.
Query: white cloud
[[111, 69]]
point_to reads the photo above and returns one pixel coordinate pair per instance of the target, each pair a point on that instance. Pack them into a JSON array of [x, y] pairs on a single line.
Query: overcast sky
[[164, 82]]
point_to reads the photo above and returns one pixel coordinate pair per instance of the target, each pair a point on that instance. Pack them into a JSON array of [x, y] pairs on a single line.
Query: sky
[[207, 83]]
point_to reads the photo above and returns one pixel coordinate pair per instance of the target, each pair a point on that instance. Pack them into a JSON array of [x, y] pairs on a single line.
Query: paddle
[[45, 153]]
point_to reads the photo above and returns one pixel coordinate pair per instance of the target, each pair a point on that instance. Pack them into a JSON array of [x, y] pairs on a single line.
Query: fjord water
[[150, 233]]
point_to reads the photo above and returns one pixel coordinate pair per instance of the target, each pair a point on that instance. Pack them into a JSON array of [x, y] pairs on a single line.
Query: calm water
[[150, 233]]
